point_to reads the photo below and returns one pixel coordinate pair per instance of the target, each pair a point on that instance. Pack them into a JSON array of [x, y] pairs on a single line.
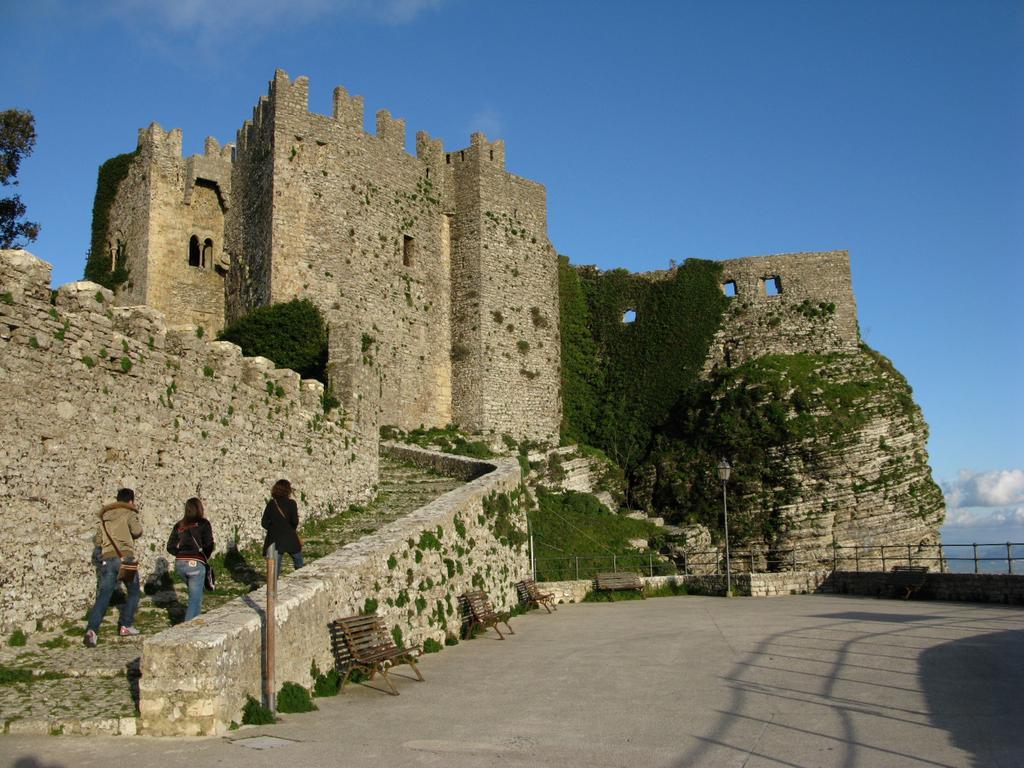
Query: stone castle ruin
[[440, 289], [437, 268]]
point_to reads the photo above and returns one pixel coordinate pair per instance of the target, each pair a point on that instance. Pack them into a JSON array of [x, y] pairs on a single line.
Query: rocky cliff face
[[826, 448]]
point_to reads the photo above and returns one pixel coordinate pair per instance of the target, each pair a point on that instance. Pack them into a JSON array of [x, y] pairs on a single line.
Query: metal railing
[[1005, 557]]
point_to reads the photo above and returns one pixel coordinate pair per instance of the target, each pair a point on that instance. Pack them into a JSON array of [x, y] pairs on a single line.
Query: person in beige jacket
[[119, 527]]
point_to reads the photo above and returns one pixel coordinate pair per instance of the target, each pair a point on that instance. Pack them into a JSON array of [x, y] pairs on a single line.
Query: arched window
[[207, 253], [195, 256]]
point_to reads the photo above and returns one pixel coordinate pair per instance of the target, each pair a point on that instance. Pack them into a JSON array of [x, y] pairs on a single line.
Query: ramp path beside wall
[[196, 676]]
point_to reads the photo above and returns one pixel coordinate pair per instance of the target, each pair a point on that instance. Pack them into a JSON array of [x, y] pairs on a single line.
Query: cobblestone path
[[74, 689]]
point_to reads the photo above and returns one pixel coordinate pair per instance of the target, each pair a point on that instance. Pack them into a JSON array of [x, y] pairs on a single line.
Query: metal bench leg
[[500, 636], [510, 630]]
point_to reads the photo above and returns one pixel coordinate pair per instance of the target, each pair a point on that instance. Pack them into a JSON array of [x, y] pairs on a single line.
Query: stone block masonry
[[435, 267], [96, 397], [784, 304], [196, 676]]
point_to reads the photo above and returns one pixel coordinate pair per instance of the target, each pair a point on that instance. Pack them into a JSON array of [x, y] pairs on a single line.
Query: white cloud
[[486, 121], [1001, 488], [207, 19], [1001, 518]]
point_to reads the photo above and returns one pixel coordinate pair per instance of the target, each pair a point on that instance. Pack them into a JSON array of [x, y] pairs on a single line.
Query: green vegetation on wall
[[767, 416], [292, 334], [97, 264], [620, 379], [572, 524]]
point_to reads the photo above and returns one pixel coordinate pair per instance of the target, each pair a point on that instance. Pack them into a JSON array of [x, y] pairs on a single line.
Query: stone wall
[[164, 202], [436, 267], [745, 584], [411, 572], [814, 310], [1005, 589], [96, 397]]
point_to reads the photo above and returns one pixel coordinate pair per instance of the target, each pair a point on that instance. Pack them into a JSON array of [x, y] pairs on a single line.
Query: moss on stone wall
[[97, 264], [621, 379], [778, 419]]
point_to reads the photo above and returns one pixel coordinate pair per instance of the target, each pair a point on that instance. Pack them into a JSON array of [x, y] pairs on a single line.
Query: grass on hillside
[[570, 524]]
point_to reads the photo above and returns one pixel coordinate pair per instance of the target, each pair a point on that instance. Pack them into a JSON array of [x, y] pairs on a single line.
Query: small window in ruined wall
[[195, 255], [408, 251], [771, 286], [729, 288], [629, 316], [207, 252]]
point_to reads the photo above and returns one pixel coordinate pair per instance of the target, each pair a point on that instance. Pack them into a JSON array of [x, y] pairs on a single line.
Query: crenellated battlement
[[418, 251], [155, 142], [348, 110]]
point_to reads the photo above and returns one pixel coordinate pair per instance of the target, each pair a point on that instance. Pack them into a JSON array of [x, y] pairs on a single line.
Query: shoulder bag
[[128, 572], [281, 511], [211, 576]]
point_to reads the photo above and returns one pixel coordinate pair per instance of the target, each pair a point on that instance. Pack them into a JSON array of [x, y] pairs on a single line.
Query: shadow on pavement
[[973, 688]]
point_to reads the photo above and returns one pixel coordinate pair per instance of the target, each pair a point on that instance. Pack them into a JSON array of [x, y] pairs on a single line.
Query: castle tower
[[506, 353], [167, 224], [434, 266]]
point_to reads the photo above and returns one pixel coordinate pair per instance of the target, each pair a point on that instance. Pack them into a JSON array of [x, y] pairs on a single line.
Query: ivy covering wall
[[620, 380], [97, 263]]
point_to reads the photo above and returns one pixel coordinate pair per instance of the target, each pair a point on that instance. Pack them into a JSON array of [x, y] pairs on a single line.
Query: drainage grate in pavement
[[263, 742]]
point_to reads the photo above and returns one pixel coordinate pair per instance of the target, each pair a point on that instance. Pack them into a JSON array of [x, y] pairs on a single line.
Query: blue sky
[[662, 130]]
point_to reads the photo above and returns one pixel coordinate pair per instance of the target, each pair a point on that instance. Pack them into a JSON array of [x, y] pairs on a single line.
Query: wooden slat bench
[[907, 579], [362, 643], [479, 613], [619, 580], [529, 595]]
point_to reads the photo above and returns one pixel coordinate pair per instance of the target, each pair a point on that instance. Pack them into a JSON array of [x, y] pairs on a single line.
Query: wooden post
[[856, 556], [270, 689], [975, 557], [1009, 558]]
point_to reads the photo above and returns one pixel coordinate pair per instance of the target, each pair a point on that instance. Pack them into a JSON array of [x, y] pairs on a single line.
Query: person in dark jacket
[[191, 543], [281, 520]]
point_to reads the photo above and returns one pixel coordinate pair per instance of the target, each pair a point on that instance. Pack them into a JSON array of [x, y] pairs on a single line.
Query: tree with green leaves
[[17, 139]]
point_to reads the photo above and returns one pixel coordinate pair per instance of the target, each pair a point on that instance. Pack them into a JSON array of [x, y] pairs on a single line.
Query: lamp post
[[723, 474]]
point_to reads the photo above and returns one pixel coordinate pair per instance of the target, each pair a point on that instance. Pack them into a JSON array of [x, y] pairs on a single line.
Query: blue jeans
[[194, 577], [296, 561], [105, 590]]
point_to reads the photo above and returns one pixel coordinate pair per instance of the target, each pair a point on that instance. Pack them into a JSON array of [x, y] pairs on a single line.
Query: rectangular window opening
[[729, 288]]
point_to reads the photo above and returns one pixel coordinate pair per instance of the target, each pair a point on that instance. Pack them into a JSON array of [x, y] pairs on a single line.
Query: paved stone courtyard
[[95, 691], [802, 681]]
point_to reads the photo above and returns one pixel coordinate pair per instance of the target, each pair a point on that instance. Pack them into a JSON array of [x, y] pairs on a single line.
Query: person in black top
[[191, 543], [281, 520]]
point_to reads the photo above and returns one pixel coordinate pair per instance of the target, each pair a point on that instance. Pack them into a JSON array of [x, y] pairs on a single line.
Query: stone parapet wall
[[756, 585], [196, 676], [96, 397], [1000, 588]]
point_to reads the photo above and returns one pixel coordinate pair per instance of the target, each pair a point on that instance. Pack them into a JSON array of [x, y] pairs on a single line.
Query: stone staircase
[[91, 691]]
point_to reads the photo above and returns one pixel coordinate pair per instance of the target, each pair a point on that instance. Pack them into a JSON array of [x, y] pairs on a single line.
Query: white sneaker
[[129, 631], [89, 639]]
